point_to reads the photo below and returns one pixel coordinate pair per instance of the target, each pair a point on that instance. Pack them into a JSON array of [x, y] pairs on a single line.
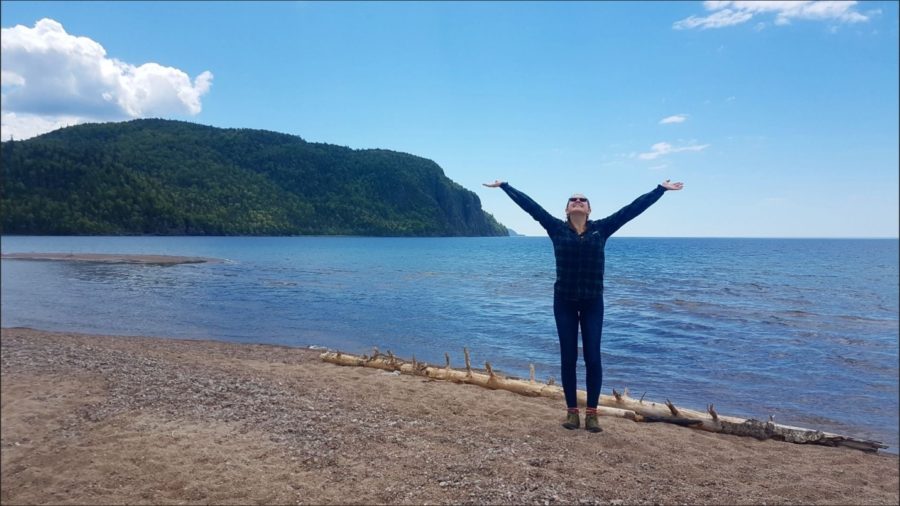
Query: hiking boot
[[573, 421], [591, 424]]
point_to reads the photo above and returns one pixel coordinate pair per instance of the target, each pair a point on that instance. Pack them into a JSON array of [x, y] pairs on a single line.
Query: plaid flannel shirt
[[580, 258]]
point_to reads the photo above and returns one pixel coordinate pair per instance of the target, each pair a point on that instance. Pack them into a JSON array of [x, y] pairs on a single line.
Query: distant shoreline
[[541, 234], [109, 258]]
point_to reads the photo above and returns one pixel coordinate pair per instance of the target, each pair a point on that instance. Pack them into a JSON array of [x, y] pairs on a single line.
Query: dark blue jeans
[[569, 315]]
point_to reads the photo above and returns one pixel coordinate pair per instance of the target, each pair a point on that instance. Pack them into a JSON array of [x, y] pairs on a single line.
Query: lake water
[[803, 329]]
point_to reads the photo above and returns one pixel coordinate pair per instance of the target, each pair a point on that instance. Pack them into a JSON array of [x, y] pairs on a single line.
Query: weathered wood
[[713, 422], [618, 404]]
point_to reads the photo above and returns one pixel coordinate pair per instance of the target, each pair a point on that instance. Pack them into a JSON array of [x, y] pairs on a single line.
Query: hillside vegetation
[[167, 177]]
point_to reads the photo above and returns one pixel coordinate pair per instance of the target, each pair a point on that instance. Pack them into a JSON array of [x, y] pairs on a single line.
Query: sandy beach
[[121, 420]]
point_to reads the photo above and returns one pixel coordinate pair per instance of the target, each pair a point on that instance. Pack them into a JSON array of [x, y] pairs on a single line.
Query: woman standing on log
[[578, 244]]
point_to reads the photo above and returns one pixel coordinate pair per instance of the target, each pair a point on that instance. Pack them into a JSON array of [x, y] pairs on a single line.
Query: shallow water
[[803, 329]]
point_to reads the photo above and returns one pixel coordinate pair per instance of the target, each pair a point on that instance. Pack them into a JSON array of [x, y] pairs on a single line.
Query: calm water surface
[[806, 330]]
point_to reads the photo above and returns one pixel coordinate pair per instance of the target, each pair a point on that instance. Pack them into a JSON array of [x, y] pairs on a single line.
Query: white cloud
[[678, 118], [23, 126], [10, 78], [726, 17], [731, 13], [664, 148], [51, 78]]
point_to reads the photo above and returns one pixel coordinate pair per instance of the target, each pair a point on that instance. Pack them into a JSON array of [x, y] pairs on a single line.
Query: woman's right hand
[[495, 184]]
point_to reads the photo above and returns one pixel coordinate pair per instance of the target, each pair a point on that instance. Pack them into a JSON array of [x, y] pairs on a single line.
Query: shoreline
[[105, 419], [108, 258], [314, 346]]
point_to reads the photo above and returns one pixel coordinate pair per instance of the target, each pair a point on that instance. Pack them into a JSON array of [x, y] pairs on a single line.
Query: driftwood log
[[618, 404]]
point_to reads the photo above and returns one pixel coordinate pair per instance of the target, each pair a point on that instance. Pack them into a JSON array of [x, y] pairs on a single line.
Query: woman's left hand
[[671, 186]]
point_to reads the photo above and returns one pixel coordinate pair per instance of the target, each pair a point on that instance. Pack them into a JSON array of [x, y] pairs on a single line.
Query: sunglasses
[[578, 199]]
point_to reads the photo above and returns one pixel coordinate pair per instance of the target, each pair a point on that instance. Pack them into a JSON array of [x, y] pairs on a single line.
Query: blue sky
[[781, 118]]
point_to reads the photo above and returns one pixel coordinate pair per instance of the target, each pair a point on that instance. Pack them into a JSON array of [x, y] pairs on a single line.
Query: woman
[[578, 244]]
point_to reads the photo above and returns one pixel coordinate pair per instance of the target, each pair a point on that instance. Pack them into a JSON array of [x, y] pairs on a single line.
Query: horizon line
[[737, 237], [476, 236]]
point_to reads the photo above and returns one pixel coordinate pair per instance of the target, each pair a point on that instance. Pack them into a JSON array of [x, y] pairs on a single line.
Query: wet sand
[[111, 420]]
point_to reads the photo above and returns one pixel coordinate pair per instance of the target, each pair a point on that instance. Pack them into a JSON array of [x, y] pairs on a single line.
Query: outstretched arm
[[529, 206], [614, 222]]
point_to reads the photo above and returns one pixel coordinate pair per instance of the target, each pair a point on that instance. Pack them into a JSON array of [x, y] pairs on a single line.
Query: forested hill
[[176, 178]]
